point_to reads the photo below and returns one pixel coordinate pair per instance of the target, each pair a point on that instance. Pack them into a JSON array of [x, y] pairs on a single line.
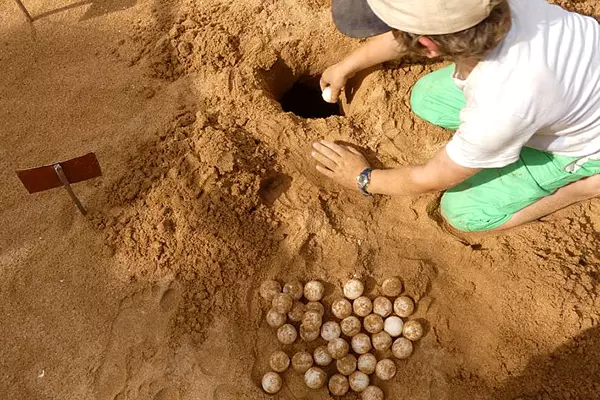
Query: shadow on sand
[[97, 8], [572, 371]]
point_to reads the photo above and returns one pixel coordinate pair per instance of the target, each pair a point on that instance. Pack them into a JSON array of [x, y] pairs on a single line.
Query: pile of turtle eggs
[[362, 328]]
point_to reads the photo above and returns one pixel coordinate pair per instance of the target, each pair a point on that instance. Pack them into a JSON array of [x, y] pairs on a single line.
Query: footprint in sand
[[227, 392], [137, 353], [213, 356], [169, 393]]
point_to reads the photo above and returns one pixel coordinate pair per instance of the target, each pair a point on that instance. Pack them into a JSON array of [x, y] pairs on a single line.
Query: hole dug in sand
[[304, 99]]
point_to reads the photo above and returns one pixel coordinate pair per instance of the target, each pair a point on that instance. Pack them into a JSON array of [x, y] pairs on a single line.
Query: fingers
[[326, 151], [335, 94], [323, 84], [331, 94], [353, 150], [326, 161], [334, 78], [340, 150], [334, 150], [327, 172]]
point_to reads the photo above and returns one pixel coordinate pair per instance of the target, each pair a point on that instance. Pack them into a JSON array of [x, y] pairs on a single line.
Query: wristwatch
[[363, 180]]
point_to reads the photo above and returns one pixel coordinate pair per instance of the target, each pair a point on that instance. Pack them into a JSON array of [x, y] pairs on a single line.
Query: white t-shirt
[[540, 88]]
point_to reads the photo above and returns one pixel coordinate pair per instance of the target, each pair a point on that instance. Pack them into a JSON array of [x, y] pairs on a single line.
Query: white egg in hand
[[328, 95]]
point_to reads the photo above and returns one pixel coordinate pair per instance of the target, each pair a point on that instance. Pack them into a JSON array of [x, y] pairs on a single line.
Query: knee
[[454, 224], [436, 99], [452, 217], [420, 101], [465, 216]]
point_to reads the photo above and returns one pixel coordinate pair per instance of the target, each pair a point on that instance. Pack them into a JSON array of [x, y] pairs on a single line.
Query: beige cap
[[431, 17]]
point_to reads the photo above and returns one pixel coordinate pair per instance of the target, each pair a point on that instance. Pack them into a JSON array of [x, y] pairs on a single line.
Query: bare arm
[[440, 173], [376, 50], [343, 164]]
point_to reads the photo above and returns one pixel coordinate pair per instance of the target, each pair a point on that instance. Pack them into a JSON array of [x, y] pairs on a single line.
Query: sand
[[208, 189]]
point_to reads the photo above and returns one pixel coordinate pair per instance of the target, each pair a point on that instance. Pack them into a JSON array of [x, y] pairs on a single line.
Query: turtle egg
[[327, 95], [392, 287], [402, 348], [271, 382], [297, 312], [338, 348], [346, 365], [373, 323], [331, 330], [381, 341], [350, 326], [353, 289], [315, 306], [338, 385], [362, 306], [309, 335], [361, 343], [372, 393], [282, 303], [279, 361], [294, 288], [275, 319], [312, 320], [268, 289], [385, 369], [287, 334], [413, 330], [315, 378], [302, 361], [404, 306], [322, 357], [314, 291], [393, 325], [382, 306], [358, 381], [341, 308], [367, 363]]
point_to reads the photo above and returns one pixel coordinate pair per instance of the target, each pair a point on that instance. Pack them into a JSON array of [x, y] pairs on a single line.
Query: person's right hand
[[334, 77]]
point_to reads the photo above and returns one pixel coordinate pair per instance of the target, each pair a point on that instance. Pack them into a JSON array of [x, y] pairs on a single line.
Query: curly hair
[[475, 42]]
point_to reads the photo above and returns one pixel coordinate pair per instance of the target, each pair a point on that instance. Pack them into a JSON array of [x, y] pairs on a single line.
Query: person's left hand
[[340, 163]]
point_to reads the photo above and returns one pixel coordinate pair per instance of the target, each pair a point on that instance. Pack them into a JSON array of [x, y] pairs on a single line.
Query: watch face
[[363, 179]]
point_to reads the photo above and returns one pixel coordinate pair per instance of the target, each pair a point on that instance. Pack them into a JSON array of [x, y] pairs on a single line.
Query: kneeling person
[[523, 95]]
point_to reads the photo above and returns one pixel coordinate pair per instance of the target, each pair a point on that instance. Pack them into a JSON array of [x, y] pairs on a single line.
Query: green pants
[[491, 197]]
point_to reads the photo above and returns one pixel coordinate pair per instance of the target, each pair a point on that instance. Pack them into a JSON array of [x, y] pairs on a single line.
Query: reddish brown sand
[[208, 189]]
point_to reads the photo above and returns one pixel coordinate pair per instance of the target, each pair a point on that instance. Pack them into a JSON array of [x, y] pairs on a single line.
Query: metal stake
[[61, 175], [22, 7]]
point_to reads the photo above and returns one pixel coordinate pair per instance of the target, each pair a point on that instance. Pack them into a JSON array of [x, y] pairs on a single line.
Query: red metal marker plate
[[76, 170]]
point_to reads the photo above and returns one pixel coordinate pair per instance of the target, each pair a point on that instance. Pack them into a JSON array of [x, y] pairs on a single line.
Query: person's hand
[[334, 77], [340, 163]]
